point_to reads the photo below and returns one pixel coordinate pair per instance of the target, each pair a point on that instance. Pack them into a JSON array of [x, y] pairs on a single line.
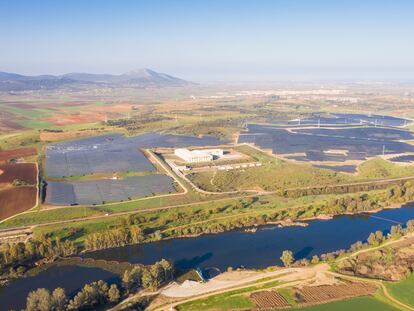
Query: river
[[219, 251]]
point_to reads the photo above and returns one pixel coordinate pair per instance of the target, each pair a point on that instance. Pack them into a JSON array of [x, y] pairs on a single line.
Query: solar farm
[[329, 144], [107, 190], [109, 154]]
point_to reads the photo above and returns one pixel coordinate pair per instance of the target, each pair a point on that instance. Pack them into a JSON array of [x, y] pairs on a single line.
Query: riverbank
[[253, 227]]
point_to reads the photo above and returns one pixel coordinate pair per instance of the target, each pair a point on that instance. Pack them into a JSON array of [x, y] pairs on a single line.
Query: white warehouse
[[195, 156]]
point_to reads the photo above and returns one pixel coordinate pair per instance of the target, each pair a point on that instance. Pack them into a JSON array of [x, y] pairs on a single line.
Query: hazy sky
[[210, 40]]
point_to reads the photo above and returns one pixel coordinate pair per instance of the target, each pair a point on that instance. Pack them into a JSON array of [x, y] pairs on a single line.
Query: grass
[[357, 304], [288, 294], [403, 290], [379, 168], [232, 300], [262, 204], [274, 174]]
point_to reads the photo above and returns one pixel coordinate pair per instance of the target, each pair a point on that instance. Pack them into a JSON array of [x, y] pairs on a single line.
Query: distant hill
[[139, 78]]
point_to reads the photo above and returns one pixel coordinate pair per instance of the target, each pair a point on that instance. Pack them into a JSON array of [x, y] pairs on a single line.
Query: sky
[[211, 40]]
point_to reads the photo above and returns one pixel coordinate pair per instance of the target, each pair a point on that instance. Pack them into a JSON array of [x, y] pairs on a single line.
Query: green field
[[277, 174], [232, 300], [403, 291], [355, 304]]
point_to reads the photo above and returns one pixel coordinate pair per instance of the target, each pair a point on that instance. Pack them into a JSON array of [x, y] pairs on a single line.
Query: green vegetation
[[274, 174], [403, 290], [289, 295], [287, 258], [379, 168], [361, 303], [231, 300]]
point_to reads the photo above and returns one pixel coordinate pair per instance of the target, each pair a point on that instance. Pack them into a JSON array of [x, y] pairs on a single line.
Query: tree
[[113, 293], [379, 236], [372, 239], [396, 231], [410, 225], [287, 258], [59, 299], [39, 300], [147, 279], [315, 260]]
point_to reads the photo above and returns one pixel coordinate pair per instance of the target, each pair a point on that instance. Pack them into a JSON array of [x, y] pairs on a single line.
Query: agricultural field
[[16, 200], [360, 303], [18, 188], [6, 155], [403, 290], [264, 297], [309, 295], [269, 300], [18, 174]]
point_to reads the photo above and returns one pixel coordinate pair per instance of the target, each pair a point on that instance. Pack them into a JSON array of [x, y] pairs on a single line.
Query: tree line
[[140, 228], [341, 189], [14, 254], [100, 293]]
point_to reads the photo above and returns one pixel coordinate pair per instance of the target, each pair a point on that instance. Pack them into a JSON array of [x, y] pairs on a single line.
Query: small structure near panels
[[196, 156]]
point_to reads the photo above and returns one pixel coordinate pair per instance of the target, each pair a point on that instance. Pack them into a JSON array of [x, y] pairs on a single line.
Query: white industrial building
[[195, 156]]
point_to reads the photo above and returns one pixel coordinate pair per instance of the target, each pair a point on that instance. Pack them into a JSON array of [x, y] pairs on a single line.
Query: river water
[[264, 247], [218, 251]]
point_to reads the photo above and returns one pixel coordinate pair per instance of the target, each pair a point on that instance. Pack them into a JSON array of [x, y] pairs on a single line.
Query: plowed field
[[16, 153], [269, 300], [16, 200], [23, 172], [324, 293]]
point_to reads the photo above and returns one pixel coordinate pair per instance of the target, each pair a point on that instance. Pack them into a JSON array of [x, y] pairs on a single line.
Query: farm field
[[6, 155], [18, 188], [360, 303], [403, 290], [317, 294], [16, 200], [23, 173]]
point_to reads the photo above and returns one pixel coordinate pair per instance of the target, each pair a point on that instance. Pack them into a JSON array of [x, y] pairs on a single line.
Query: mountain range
[[138, 78]]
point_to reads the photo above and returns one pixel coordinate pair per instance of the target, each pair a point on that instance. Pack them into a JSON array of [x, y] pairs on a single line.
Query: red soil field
[[76, 118], [26, 172], [8, 125], [17, 153], [55, 136], [23, 106], [16, 200]]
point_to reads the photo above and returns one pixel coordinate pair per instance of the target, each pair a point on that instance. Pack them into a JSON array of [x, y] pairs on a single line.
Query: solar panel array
[[112, 153], [108, 190]]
